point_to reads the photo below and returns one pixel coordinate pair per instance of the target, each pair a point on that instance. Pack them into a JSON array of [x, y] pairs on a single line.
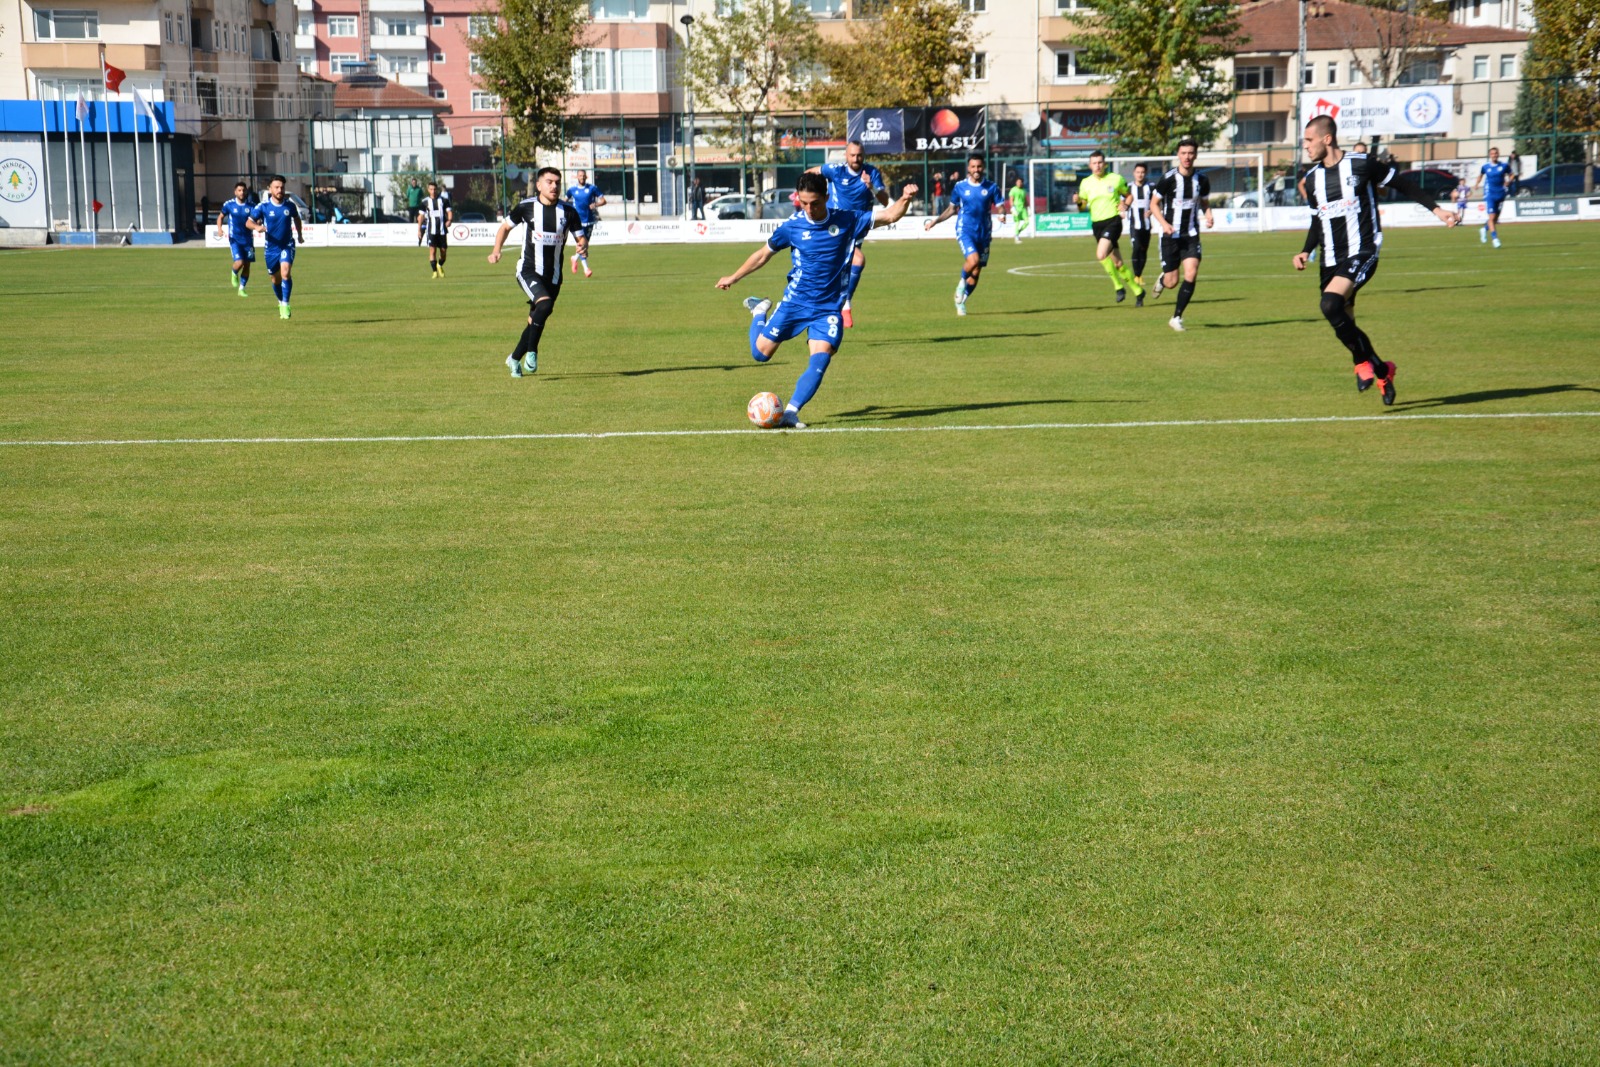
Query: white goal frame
[[1159, 165]]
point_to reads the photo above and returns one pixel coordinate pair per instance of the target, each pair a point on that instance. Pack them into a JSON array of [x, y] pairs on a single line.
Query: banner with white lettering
[[1363, 113], [946, 130]]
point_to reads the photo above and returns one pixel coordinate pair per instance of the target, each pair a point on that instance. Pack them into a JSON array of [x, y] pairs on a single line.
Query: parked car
[[774, 205], [471, 216], [1562, 179]]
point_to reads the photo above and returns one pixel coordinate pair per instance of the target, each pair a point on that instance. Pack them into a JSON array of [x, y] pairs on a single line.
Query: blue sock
[[972, 283], [244, 280], [288, 284], [855, 279], [810, 378], [756, 326], [277, 290]]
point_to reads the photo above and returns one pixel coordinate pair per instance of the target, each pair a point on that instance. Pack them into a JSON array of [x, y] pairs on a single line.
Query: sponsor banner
[[1365, 113], [21, 184], [1076, 222], [1543, 209], [885, 131], [1589, 207]]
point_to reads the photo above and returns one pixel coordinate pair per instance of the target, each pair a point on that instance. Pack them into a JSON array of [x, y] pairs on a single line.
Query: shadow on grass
[[1249, 325], [1108, 305], [1437, 288], [884, 413], [746, 365], [1486, 395]]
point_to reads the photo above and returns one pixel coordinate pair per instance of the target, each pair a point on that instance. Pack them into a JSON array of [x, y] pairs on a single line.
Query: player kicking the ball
[[971, 201], [821, 241], [1342, 189]]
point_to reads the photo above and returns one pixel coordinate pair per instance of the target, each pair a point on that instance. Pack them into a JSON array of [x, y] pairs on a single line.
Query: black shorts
[[1108, 229], [1359, 269], [536, 288], [438, 240], [1174, 250]]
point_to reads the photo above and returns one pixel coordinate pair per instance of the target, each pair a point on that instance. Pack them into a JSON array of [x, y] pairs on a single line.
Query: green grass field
[[1144, 744]]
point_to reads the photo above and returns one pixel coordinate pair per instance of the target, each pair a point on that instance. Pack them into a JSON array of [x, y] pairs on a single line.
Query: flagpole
[[111, 166], [83, 165], [66, 157], [44, 140], [155, 147], [138, 184]]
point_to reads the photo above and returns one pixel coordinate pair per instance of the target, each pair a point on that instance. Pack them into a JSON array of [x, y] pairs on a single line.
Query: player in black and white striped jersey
[[1342, 189], [1184, 195], [1137, 204], [547, 220], [434, 215]]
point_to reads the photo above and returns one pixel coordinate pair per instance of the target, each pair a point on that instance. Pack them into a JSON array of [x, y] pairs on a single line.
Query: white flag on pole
[[144, 105], [83, 108]]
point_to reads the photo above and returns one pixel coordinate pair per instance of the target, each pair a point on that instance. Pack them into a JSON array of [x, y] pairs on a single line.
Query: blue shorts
[[243, 251], [585, 231], [276, 253], [975, 246], [1493, 206], [787, 320]]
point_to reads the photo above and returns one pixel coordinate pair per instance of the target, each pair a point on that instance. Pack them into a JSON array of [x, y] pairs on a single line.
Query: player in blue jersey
[[1495, 177], [857, 185], [821, 241], [241, 242], [279, 220], [972, 201], [585, 197]]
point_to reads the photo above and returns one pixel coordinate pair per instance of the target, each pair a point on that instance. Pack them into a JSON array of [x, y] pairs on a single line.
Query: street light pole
[[688, 103]]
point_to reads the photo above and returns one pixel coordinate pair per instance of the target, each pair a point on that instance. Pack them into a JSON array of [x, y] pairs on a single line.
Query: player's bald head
[[1324, 126]]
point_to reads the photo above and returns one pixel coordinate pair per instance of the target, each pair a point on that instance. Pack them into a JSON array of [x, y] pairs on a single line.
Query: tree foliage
[[1390, 35], [916, 54], [1164, 58], [526, 55], [745, 64], [1560, 91]]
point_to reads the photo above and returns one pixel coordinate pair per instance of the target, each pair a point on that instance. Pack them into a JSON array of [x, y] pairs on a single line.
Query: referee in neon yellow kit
[[1103, 195]]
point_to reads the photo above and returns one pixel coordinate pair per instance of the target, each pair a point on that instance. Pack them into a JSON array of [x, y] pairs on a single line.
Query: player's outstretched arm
[[895, 211], [757, 260], [500, 236], [949, 209], [1417, 195]]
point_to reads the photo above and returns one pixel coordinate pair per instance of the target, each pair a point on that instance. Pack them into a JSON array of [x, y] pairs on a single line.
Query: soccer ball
[[765, 410]]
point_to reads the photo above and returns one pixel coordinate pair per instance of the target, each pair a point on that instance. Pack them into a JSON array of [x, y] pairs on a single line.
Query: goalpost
[[1236, 178]]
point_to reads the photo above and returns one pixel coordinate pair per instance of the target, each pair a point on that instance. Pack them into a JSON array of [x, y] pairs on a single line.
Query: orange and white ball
[[765, 410]]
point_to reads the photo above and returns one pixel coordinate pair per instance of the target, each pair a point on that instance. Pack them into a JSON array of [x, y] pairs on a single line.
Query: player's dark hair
[[812, 183], [1141, 166], [1189, 142], [546, 170], [1097, 152], [278, 178], [242, 185], [1324, 124], [858, 144], [976, 156]]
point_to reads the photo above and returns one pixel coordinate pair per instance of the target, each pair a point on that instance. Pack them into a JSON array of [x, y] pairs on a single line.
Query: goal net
[[1237, 182]]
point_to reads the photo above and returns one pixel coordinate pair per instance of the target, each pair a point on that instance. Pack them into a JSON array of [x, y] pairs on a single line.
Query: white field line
[[601, 435]]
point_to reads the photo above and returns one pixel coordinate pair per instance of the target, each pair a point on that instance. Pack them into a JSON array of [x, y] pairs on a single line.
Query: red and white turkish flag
[[111, 75]]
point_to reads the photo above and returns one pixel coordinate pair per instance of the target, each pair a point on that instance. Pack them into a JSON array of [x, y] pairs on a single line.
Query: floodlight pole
[[688, 103]]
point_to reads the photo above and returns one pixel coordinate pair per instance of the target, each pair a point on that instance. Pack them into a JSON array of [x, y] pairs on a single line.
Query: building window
[[591, 68], [166, 20], [438, 57], [826, 8], [341, 26], [1067, 6], [1480, 123], [484, 136], [439, 94], [475, 63], [1355, 73], [438, 20], [401, 64], [807, 73], [1508, 121], [307, 64], [728, 7], [1245, 79], [180, 30], [977, 7], [305, 27], [400, 27], [480, 25], [1070, 66], [1333, 74], [1480, 68], [1508, 66], [978, 67], [636, 70], [622, 9], [1420, 72], [1308, 75], [1256, 131], [53, 24], [482, 101], [337, 61]]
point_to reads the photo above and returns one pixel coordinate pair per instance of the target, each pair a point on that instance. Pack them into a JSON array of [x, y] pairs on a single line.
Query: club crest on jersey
[[833, 231]]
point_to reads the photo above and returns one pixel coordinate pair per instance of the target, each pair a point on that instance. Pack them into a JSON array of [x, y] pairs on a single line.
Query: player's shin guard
[[1353, 337], [277, 290], [538, 312], [1185, 293], [855, 280], [1111, 272], [756, 326], [288, 284], [810, 378]]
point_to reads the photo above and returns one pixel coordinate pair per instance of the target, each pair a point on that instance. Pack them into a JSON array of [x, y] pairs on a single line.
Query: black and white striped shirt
[[435, 211], [1344, 205], [1183, 201], [545, 236], [1139, 206]]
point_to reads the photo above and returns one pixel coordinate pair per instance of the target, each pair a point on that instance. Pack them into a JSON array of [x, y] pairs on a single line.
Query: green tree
[[745, 63], [525, 48], [1164, 58], [1560, 91], [914, 55]]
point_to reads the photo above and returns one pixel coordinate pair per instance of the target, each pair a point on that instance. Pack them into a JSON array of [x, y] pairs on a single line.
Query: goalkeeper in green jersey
[[1018, 199], [1103, 195]]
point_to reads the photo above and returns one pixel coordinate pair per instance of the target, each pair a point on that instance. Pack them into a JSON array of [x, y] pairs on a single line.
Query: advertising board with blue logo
[[1364, 113]]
